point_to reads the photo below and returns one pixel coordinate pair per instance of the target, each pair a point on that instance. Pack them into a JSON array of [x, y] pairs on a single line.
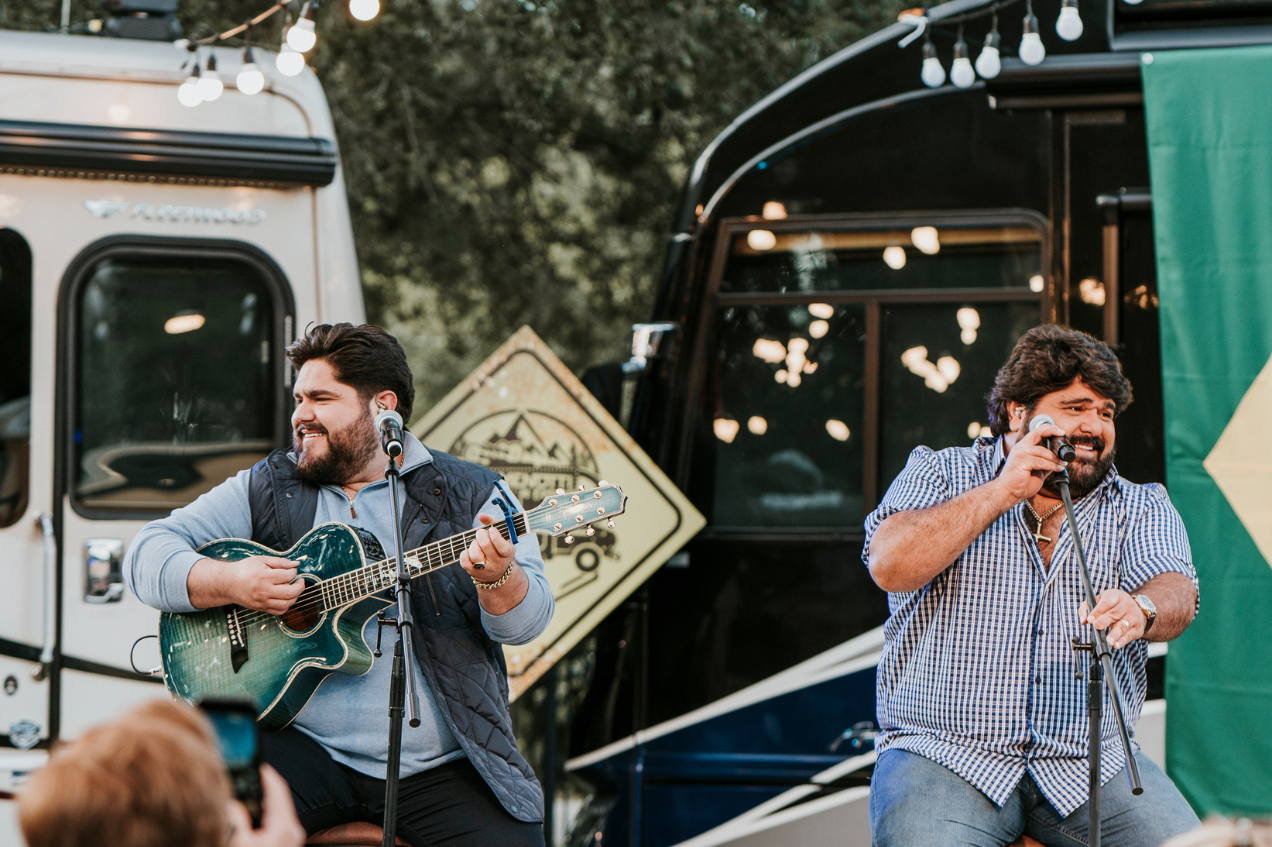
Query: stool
[[356, 834]]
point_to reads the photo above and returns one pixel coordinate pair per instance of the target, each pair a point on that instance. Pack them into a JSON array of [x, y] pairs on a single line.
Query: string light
[[1032, 52], [364, 10], [933, 73], [989, 63], [961, 73], [289, 62], [302, 37], [188, 92], [210, 85], [250, 80], [1069, 24], [297, 40]]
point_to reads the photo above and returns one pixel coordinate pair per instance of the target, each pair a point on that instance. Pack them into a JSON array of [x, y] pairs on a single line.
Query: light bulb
[[933, 73], [1069, 24], [989, 63], [250, 80], [1031, 50], [290, 62], [364, 10], [210, 85], [188, 92], [301, 36], [961, 73]]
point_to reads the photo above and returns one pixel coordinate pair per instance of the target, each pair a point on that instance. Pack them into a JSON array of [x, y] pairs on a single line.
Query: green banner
[[1210, 153]]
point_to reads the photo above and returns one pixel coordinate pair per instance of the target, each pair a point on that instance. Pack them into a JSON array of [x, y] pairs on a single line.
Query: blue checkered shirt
[[977, 672]]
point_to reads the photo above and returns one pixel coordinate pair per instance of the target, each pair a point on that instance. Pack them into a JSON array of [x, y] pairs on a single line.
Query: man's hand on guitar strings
[[490, 550], [263, 583]]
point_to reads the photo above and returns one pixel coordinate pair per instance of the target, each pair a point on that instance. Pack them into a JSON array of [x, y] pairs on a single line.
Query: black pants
[[449, 805]]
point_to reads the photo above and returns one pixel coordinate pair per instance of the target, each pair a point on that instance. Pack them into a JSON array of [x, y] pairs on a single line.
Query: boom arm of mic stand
[[1098, 645]]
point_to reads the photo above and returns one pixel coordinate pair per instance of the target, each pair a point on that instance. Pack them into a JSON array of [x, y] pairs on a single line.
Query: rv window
[[174, 379], [15, 376], [937, 371], [920, 258], [788, 415]]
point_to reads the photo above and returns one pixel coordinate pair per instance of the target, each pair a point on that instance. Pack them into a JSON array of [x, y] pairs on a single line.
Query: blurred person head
[[153, 778], [1225, 832]]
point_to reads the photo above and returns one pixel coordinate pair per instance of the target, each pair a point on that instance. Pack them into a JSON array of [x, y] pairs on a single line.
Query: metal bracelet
[[490, 585]]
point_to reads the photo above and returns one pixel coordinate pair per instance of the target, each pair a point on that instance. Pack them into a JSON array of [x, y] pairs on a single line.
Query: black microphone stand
[[1101, 665], [403, 678]]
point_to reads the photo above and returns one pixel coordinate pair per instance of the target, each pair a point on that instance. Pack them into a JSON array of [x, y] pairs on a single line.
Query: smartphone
[[239, 738]]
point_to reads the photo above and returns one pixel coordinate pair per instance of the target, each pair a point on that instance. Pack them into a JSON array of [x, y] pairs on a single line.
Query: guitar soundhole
[[301, 619]]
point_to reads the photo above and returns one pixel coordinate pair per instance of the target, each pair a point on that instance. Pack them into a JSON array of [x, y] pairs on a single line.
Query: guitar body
[[275, 661]]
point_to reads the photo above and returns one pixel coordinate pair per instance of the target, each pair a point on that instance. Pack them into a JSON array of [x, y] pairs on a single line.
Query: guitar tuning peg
[[582, 487], [560, 491], [602, 483], [591, 530], [610, 523], [569, 539]]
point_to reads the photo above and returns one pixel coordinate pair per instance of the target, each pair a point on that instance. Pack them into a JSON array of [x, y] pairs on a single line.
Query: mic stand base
[[1101, 661]]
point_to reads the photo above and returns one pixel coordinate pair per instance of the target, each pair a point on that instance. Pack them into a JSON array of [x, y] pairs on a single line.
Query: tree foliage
[[512, 162]]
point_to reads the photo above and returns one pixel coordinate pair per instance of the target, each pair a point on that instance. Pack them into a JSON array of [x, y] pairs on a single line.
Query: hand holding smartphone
[[239, 738]]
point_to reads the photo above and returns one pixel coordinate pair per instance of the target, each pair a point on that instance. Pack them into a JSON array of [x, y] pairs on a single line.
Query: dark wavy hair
[[1048, 358], [366, 358]]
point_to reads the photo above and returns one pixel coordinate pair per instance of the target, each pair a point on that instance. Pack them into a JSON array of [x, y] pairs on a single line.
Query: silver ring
[[481, 566], [1124, 622]]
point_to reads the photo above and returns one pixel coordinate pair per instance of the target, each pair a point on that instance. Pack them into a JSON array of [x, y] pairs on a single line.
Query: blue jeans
[[914, 801]]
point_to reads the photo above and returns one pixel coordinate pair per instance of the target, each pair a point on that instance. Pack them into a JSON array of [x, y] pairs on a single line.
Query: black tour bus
[[852, 261]]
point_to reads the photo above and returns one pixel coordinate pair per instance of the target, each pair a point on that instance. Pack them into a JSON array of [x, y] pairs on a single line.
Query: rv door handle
[[41, 671]]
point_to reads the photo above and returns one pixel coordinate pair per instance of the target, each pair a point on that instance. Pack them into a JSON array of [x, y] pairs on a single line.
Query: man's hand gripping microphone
[[1057, 444], [389, 424]]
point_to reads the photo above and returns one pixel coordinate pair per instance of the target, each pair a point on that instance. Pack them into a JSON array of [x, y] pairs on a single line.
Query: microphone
[[389, 425], [1057, 444]]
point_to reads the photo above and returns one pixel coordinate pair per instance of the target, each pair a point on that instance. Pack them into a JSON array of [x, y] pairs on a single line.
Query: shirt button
[[1038, 680]]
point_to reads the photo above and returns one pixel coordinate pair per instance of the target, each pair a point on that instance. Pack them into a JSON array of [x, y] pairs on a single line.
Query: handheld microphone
[[389, 425], [1057, 444]]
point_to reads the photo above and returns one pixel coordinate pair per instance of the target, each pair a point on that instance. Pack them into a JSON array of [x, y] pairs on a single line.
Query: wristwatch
[[1146, 606]]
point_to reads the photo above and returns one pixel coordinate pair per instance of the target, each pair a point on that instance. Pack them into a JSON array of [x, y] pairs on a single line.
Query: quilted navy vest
[[463, 667]]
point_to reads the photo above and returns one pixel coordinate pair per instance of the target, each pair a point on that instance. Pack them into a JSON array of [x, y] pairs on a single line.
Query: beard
[[348, 452], [1085, 474]]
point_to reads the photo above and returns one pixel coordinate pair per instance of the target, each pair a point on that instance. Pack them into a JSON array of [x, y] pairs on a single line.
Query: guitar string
[[347, 588]]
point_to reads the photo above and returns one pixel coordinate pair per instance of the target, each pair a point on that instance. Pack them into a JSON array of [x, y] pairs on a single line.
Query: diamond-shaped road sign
[[523, 414], [1241, 462]]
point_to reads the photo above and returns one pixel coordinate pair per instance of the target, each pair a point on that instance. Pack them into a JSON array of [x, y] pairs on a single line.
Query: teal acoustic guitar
[[278, 661]]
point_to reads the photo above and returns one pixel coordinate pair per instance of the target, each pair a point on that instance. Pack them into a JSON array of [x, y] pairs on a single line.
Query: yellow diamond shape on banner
[[1241, 462], [524, 415]]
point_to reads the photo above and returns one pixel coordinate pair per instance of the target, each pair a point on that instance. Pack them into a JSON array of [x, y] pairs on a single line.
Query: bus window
[[174, 381], [15, 376], [788, 422], [936, 373], [923, 257]]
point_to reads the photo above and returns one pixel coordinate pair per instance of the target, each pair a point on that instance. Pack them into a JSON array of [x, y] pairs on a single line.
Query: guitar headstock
[[569, 510]]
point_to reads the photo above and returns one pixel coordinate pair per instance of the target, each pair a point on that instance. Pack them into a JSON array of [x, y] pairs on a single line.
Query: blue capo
[[505, 503]]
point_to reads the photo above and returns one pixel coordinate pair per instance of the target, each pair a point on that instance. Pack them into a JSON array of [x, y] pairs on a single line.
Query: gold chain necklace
[[1038, 536]]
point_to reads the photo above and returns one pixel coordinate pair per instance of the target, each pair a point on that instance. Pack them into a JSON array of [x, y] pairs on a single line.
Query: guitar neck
[[371, 579]]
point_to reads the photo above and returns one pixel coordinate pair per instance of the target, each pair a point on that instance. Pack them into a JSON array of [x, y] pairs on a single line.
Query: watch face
[[1146, 604]]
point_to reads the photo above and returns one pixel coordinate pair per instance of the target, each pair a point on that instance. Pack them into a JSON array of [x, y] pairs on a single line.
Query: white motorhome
[[155, 259]]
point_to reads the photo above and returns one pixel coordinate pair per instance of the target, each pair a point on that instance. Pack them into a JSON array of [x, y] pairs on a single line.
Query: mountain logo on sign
[[537, 454]]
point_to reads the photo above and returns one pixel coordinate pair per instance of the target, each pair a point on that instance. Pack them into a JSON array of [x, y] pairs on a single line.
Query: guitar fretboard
[[371, 579]]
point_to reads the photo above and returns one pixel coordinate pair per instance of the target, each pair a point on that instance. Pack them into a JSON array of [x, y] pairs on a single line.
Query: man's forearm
[[1175, 599], [207, 584], [910, 549]]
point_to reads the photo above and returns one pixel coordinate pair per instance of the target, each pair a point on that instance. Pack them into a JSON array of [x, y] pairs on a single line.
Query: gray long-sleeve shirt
[[347, 714]]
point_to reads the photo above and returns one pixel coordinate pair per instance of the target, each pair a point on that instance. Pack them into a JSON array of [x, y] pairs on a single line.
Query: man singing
[[984, 725], [464, 783]]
